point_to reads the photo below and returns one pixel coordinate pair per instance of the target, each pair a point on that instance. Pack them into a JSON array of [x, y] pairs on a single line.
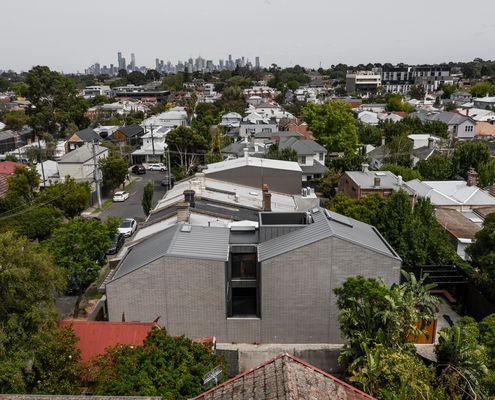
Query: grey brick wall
[[297, 303]]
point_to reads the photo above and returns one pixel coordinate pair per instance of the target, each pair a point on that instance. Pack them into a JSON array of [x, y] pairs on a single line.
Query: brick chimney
[[267, 198], [183, 212], [492, 190], [364, 167], [189, 196], [383, 140], [472, 178], [430, 142]]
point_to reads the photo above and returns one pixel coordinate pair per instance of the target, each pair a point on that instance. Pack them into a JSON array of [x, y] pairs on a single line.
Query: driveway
[[131, 208]]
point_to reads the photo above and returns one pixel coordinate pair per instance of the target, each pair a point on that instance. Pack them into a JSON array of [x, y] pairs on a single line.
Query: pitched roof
[[450, 193], [366, 180], [96, 336], [456, 223], [8, 167], [485, 129], [450, 118], [131, 130], [302, 147], [327, 224], [253, 162], [179, 240], [82, 154], [284, 377], [316, 168], [86, 135]]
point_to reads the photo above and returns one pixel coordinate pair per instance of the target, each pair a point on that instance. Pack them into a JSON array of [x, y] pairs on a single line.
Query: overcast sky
[[70, 35]]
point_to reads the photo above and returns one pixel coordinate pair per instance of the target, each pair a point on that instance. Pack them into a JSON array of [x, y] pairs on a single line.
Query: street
[[131, 208]]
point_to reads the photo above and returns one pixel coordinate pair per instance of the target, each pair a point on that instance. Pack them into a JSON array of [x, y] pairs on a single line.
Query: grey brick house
[[271, 284]]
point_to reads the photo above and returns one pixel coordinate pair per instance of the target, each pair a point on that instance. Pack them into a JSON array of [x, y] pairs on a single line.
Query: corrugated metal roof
[[202, 242], [147, 251], [210, 243], [96, 336], [323, 227]]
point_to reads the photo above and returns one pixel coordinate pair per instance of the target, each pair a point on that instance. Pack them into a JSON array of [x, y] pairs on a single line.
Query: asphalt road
[[131, 208]]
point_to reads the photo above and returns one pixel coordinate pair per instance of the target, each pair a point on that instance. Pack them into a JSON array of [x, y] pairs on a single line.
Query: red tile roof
[[8, 167], [96, 336], [284, 377]]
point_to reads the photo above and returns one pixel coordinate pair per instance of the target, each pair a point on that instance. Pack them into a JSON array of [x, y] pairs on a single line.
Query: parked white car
[[120, 196], [157, 167], [127, 227]]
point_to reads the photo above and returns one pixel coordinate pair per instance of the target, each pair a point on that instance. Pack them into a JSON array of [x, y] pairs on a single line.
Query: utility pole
[[41, 162], [168, 170], [152, 142], [96, 176]]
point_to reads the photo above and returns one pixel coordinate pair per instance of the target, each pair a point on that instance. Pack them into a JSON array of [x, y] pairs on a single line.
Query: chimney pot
[[189, 197], [364, 167], [472, 178], [383, 140], [430, 142], [267, 198]]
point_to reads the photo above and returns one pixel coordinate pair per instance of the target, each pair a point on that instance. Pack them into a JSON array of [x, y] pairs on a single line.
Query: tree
[[115, 171], [436, 168], [78, 249], [367, 209], [286, 154], [36, 223], [406, 173], [400, 150], [147, 200], [395, 102], [460, 358], [447, 89], [55, 101], [394, 374], [417, 92], [69, 196], [216, 147], [371, 314], [24, 183], [136, 78], [15, 120], [482, 252], [327, 184], [333, 125], [188, 144], [469, 154], [171, 367], [482, 89], [486, 171], [29, 282], [152, 75]]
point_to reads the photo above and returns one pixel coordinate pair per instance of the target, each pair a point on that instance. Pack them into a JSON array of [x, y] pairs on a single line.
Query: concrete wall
[[297, 302], [289, 182], [243, 357]]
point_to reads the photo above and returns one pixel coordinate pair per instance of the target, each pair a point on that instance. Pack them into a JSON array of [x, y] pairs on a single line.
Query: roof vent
[[186, 228], [341, 219]]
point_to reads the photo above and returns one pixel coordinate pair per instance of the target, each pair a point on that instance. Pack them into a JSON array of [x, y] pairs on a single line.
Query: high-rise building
[[257, 62], [120, 61], [133, 62]]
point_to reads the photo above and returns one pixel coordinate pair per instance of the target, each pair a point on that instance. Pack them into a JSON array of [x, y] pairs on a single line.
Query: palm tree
[[460, 359]]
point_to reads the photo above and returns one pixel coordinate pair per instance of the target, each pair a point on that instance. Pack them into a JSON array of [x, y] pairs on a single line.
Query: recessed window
[[243, 283]]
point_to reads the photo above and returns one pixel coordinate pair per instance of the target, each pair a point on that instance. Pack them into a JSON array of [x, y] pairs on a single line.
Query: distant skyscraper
[[133, 62], [257, 62]]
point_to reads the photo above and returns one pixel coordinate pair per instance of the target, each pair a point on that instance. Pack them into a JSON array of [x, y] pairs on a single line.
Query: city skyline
[[70, 37]]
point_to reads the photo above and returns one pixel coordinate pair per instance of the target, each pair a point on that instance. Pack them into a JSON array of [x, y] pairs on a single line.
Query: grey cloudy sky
[[70, 35]]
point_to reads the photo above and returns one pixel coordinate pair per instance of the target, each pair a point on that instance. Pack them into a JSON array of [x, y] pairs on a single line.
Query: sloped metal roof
[[179, 240], [327, 224]]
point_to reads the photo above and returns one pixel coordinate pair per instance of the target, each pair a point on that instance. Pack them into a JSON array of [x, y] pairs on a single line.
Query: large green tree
[[482, 89], [286, 154], [436, 168], [147, 200], [469, 154], [333, 125], [78, 249], [55, 101], [171, 367], [24, 183], [114, 170], [28, 282], [187, 147], [69, 196]]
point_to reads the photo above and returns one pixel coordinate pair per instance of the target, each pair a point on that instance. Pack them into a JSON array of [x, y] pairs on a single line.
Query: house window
[[303, 159], [321, 156], [243, 283], [468, 128]]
